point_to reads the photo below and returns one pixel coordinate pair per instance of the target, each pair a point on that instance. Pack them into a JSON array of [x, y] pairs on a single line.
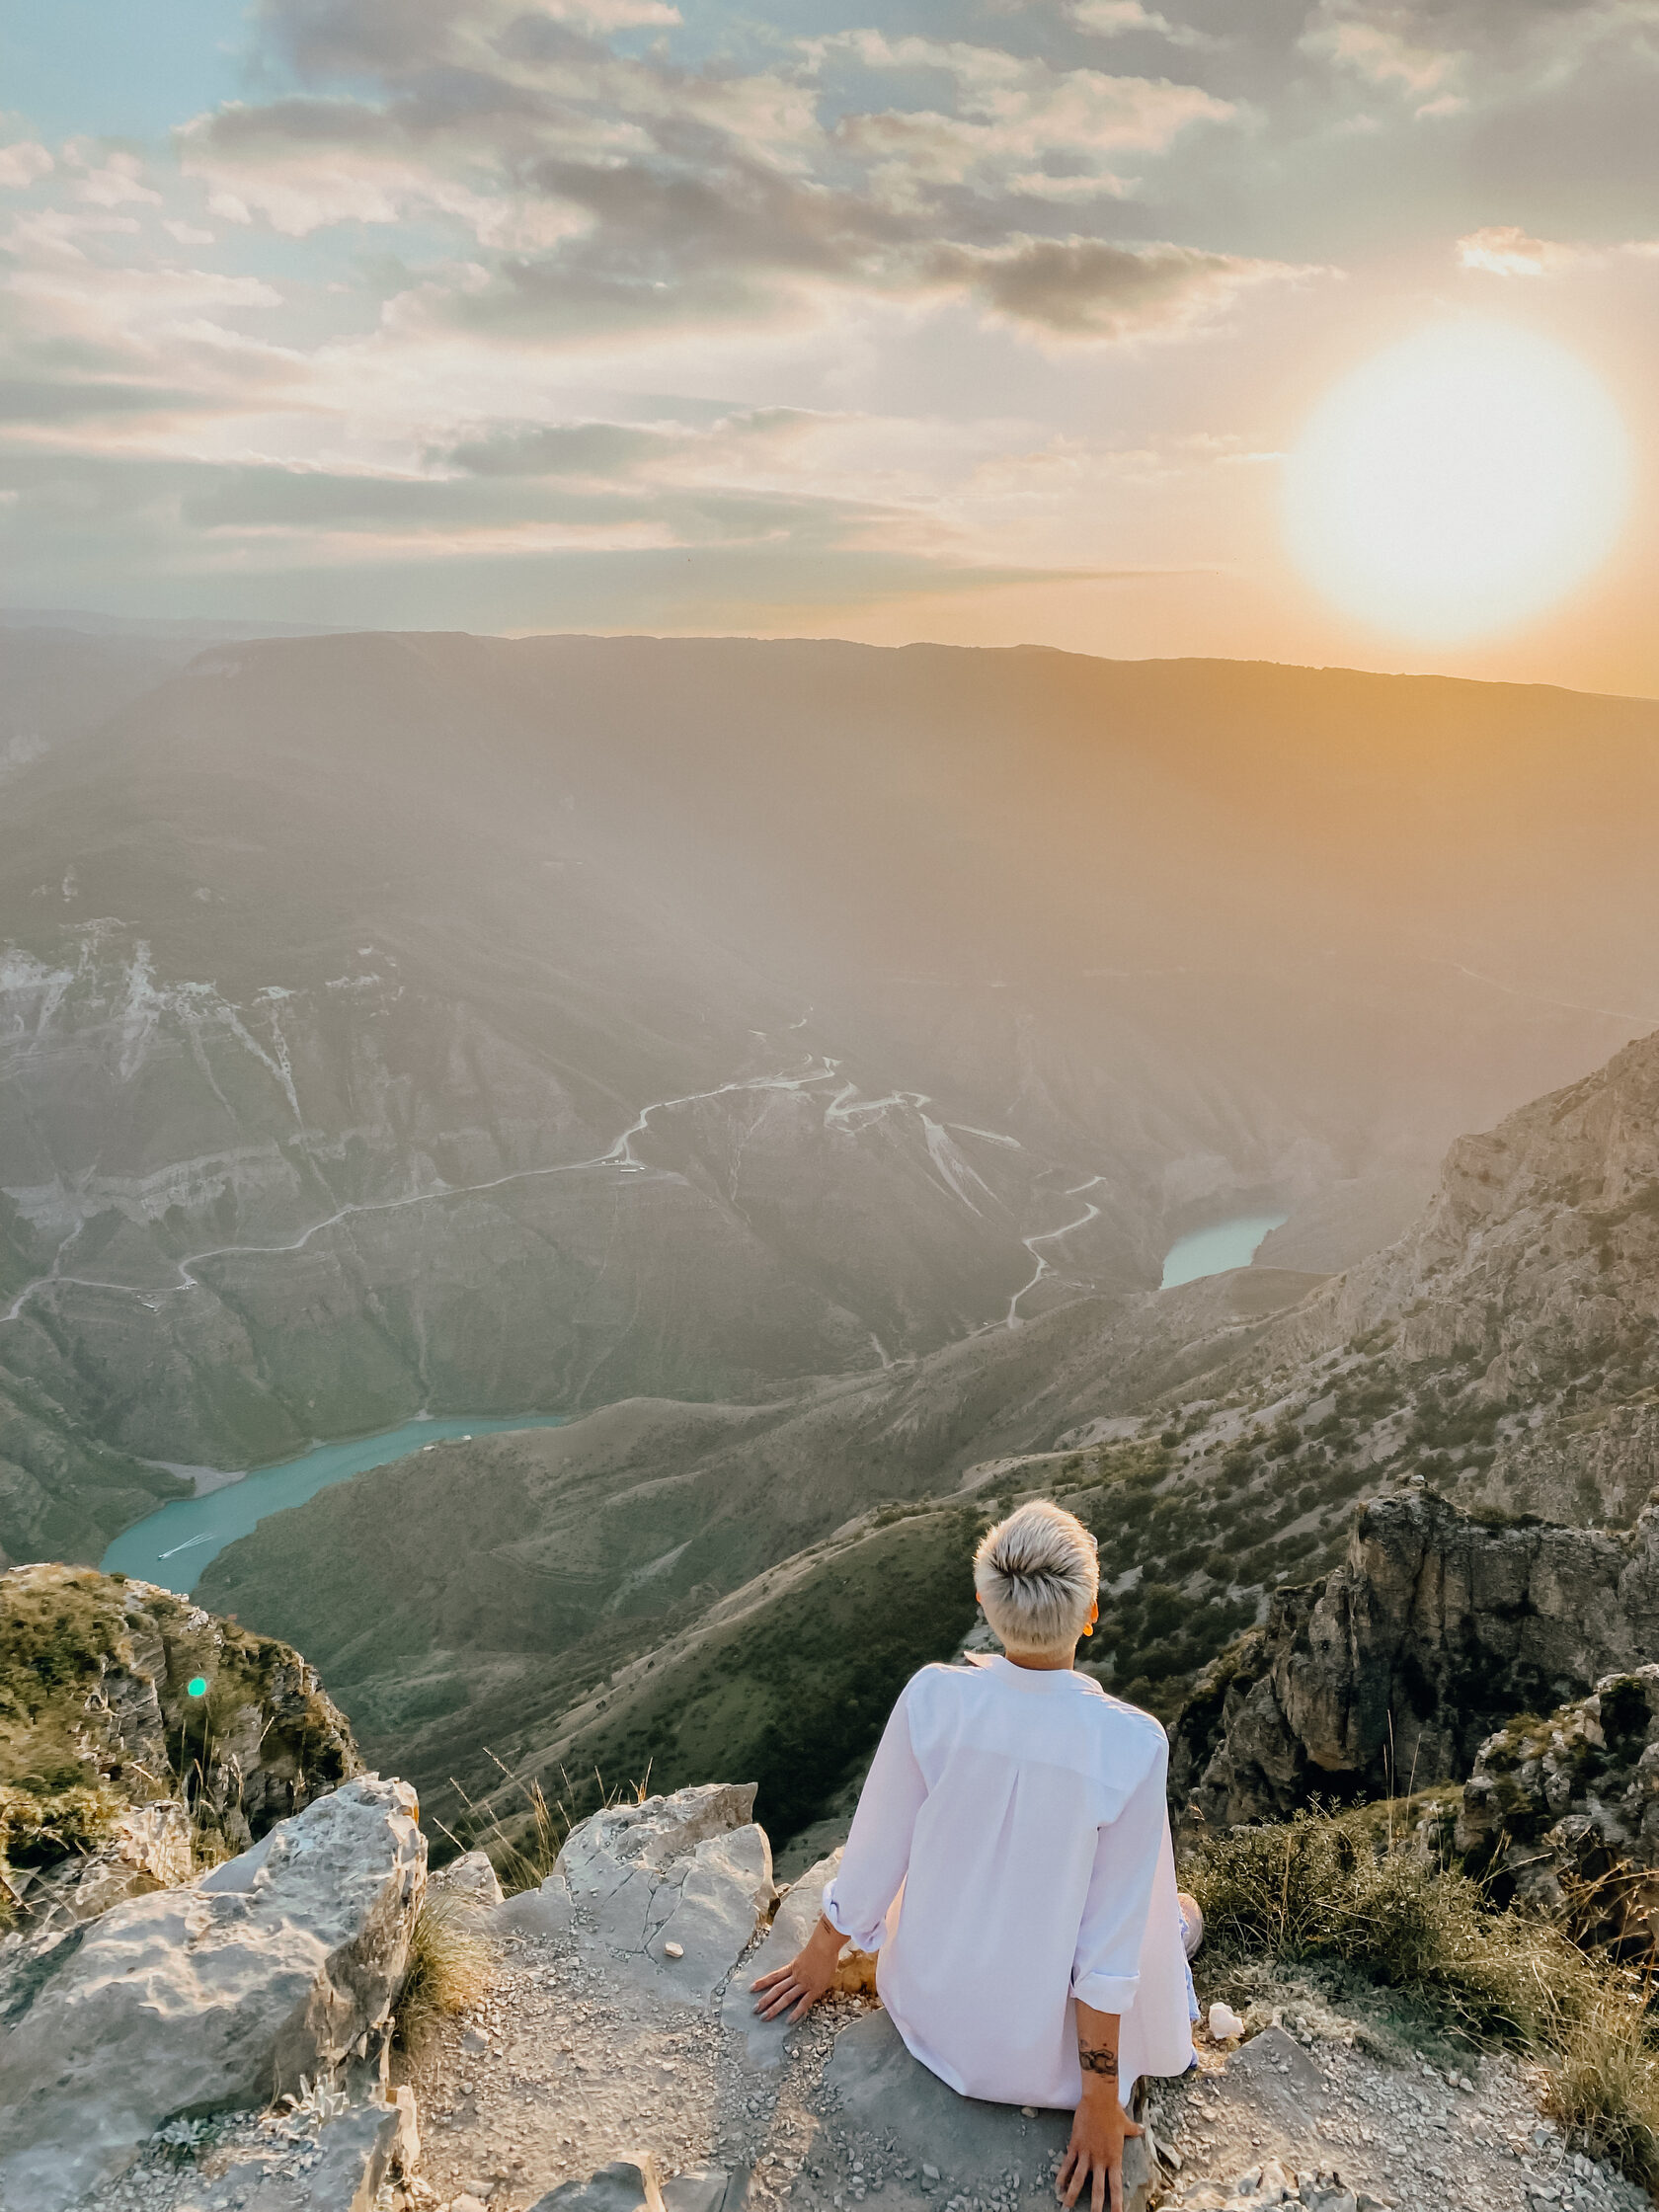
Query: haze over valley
[[447, 1024]]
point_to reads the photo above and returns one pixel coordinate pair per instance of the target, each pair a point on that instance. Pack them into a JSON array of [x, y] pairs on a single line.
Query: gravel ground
[[563, 2068], [1336, 2119]]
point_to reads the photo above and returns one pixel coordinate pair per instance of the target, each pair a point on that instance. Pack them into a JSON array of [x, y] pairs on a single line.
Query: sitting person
[[1010, 1859]]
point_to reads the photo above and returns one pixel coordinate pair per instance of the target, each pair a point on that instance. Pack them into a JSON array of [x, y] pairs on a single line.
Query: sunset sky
[[980, 323]]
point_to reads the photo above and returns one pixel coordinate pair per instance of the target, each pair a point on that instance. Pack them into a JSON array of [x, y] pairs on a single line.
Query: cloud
[[602, 191], [1112, 19], [1451, 57], [1382, 52], [615, 450], [115, 182], [1084, 288], [24, 164], [1505, 250]]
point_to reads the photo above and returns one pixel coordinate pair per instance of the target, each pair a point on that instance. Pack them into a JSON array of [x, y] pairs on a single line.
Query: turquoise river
[[173, 1545]]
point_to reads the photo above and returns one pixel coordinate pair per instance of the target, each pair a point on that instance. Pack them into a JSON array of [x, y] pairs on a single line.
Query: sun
[[1457, 484]]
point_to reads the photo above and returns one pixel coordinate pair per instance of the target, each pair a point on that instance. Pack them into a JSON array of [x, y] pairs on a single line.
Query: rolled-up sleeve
[[878, 1848], [1107, 1968]]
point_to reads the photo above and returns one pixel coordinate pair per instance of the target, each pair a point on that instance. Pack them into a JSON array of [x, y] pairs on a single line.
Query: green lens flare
[[197, 1686]]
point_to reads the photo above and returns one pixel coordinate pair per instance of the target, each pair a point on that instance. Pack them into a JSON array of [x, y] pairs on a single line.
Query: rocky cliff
[[1521, 1313], [1389, 1673], [141, 1737], [1563, 1813]]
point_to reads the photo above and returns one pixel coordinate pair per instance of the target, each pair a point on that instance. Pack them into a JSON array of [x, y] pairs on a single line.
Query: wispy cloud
[[458, 288]]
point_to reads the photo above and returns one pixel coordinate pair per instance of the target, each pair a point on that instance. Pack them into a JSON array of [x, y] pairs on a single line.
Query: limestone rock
[[632, 2186], [1564, 1813], [793, 1923], [150, 1849], [703, 2188], [213, 1996], [883, 2091], [692, 1870], [471, 1878], [357, 2152], [1434, 1633], [627, 2184]]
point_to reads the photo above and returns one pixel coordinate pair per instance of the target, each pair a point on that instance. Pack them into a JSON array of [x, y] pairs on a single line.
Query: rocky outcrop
[[118, 1700], [950, 2142], [1435, 1630], [147, 1848], [1564, 1813], [220, 1994], [1527, 1290], [669, 1892]]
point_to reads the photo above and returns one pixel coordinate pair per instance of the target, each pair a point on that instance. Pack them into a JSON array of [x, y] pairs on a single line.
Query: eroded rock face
[[99, 1727], [216, 1996], [669, 1891], [1433, 1633], [1564, 1813]]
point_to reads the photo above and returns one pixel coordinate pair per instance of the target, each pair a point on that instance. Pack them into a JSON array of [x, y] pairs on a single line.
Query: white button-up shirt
[[1011, 1854]]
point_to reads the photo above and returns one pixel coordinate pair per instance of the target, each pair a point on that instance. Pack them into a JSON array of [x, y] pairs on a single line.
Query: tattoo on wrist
[[1097, 2061]]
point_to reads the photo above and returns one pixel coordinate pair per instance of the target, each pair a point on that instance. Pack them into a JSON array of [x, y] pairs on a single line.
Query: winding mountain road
[[845, 1109]]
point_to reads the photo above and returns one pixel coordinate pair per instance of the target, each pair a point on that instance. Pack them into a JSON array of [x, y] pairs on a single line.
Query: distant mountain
[[490, 1025]]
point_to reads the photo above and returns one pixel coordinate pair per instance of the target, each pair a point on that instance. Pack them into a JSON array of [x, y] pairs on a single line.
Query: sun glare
[[1458, 483]]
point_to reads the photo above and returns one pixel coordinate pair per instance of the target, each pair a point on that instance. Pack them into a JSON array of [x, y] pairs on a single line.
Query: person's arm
[[804, 1979], [1106, 1968], [1105, 1975], [873, 1866], [1101, 2127]]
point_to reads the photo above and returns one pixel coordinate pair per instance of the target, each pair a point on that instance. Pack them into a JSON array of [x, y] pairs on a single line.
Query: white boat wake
[[206, 1536]]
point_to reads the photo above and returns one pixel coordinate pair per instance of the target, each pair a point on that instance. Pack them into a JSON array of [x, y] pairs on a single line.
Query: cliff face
[[1563, 1813], [1527, 1302], [1434, 1633], [108, 1755]]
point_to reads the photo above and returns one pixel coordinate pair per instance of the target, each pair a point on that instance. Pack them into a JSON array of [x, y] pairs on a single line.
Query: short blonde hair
[[1037, 1574]]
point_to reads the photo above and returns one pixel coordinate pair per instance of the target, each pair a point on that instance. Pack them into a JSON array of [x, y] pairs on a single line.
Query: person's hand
[[804, 1980], [1101, 2127]]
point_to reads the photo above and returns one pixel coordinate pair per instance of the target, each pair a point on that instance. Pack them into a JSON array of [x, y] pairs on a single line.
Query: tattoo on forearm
[[1097, 2061]]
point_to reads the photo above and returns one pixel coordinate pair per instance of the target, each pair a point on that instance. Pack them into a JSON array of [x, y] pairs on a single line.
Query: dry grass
[[1362, 1895], [1604, 2083], [1338, 1888], [449, 1962], [525, 1848]]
